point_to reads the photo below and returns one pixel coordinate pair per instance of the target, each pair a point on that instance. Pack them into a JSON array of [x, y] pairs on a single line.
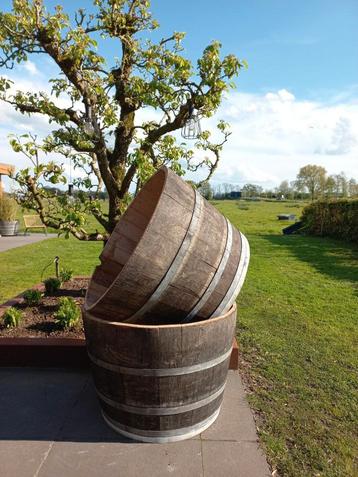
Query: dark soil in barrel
[[38, 321]]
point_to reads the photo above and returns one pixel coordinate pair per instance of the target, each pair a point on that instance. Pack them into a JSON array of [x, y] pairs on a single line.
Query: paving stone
[[84, 422], [22, 458], [50, 426], [36, 402], [235, 421], [234, 459], [182, 459], [6, 243]]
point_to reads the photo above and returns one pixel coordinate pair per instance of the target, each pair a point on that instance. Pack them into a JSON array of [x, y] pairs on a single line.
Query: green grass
[[298, 334], [22, 267], [91, 224], [297, 328]]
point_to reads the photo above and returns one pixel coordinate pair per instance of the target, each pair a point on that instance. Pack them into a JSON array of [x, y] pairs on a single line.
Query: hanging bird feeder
[[192, 128]]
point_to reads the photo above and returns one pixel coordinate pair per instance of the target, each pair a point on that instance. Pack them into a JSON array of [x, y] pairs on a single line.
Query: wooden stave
[[164, 437], [161, 426], [125, 293], [237, 281], [130, 294], [116, 341], [181, 390], [218, 293]]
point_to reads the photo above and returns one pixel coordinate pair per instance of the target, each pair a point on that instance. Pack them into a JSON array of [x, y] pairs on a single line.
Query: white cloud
[[30, 67], [343, 139], [275, 134]]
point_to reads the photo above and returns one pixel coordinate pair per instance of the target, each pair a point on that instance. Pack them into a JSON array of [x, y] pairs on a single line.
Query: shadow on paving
[[338, 260], [40, 405]]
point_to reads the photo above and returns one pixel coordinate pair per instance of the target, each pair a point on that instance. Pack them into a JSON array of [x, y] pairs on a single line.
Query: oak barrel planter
[[160, 383], [171, 258], [8, 228]]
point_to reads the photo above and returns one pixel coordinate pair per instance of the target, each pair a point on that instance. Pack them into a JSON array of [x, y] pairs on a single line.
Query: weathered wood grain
[[172, 258], [166, 379]]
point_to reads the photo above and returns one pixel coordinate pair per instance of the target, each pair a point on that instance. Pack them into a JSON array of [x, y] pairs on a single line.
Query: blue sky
[[298, 101], [308, 46]]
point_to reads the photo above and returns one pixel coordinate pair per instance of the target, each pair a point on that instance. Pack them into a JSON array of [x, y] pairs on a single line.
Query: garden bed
[[38, 321], [38, 340]]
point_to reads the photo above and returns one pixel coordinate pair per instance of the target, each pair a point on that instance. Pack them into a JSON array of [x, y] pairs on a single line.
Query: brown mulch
[[38, 321]]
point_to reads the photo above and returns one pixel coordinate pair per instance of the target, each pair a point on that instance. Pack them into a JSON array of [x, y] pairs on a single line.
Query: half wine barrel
[[160, 383], [171, 258]]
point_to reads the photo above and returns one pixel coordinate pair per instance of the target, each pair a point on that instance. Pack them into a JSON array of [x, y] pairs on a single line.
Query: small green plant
[[66, 275], [32, 297], [12, 317], [68, 313], [8, 209], [52, 285]]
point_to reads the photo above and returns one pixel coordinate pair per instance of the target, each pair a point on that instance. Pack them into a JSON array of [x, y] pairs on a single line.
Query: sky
[[296, 104]]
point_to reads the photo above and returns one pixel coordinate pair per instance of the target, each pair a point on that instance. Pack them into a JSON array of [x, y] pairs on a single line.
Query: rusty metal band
[[161, 437], [162, 411], [217, 276], [238, 280], [163, 371], [177, 262]]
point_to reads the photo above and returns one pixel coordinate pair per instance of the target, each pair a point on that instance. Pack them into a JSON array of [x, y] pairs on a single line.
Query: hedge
[[334, 218]]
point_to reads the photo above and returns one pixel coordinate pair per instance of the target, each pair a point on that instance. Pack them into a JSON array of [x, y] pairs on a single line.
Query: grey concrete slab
[[84, 422], [7, 243], [235, 422], [50, 425], [22, 458], [79, 459], [234, 459], [35, 403]]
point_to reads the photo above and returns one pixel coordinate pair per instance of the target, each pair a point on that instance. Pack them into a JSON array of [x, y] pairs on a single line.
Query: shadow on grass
[[337, 259]]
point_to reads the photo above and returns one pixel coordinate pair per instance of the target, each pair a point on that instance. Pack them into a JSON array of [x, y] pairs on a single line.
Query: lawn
[[22, 267], [298, 333], [297, 328]]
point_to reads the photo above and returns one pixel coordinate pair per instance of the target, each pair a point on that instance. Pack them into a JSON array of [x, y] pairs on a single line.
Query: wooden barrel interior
[[172, 258], [160, 383], [125, 237]]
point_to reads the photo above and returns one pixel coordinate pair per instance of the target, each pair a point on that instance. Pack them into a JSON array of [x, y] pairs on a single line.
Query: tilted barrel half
[[171, 258], [160, 383]]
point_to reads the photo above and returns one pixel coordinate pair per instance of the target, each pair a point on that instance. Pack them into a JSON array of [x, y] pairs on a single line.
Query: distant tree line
[[312, 182]]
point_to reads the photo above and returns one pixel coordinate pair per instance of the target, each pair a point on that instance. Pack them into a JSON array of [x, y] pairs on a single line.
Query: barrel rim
[[162, 170], [161, 437], [232, 310], [239, 277]]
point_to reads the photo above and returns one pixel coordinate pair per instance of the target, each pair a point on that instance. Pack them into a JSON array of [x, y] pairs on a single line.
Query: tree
[[342, 184], [284, 189], [269, 193], [312, 178], [251, 190], [337, 185], [206, 190], [352, 187], [99, 129], [330, 186]]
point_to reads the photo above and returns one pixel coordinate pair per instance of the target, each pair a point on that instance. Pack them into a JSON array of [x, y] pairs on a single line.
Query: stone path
[[6, 243], [50, 426]]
